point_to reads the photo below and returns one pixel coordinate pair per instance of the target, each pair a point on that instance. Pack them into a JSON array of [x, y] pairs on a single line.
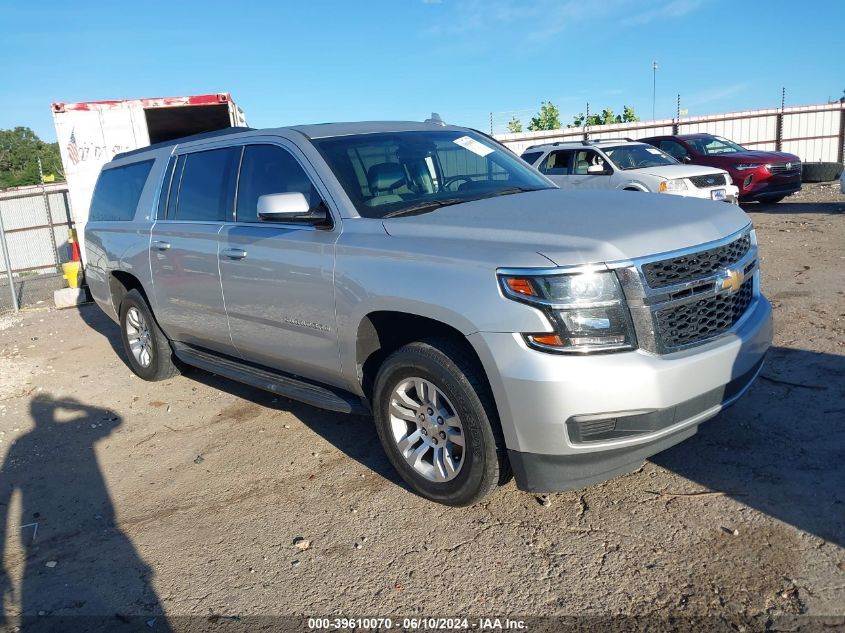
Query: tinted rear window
[[118, 192], [207, 191]]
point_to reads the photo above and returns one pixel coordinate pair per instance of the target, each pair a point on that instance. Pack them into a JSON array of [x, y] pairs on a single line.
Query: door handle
[[162, 246], [234, 253]]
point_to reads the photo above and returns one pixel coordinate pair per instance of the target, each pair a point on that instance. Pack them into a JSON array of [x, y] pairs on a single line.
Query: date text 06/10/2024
[[421, 623]]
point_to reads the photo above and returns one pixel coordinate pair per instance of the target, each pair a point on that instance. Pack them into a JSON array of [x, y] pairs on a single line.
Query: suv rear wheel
[[147, 348], [437, 423]]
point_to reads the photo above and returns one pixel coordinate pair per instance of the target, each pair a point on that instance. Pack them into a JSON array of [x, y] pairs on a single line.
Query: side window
[[585, 159], [674, 149], [531, 157], [557, 163], [118, 192], [270, 169], [165, 189], [175, 181], [207, 188]]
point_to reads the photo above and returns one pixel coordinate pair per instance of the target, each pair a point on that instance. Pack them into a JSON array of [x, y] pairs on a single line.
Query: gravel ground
[[200, 497]]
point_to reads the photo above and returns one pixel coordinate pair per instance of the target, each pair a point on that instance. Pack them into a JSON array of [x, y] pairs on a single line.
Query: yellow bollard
[[71, 273]]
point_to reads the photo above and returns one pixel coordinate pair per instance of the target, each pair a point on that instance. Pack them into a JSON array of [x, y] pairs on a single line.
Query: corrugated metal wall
[[813, 133]]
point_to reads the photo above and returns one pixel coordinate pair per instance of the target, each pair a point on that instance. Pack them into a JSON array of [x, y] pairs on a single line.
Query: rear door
[[278, 278], [557, 166], [183, 248]]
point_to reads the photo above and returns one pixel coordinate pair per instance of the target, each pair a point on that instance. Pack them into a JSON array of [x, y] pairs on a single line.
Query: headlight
[[587, 310], [746, 166], [676, 184]]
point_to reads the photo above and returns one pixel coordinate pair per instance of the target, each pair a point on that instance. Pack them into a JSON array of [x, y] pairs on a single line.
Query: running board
[[269, 380]]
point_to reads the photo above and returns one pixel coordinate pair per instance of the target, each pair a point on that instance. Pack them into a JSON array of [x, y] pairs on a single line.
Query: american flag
[[72, 149]]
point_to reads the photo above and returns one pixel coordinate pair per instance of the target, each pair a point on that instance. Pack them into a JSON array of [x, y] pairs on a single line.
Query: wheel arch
[[120, 283], [381, 332], [634, 186]]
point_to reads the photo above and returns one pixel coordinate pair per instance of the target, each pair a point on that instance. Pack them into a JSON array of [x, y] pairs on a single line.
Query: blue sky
[[301, 62]]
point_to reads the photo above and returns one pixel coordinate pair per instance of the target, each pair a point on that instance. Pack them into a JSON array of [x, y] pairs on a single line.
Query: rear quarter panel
[[124, 246]]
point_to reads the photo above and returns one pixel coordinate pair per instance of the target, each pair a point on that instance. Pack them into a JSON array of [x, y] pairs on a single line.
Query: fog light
[[747, 182]]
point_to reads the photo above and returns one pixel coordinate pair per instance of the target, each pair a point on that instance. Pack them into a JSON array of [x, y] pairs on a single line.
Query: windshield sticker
[[474, 146], [653, 151]]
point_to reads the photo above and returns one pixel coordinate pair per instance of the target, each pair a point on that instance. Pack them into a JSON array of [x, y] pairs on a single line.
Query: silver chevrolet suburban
[[490, 322]]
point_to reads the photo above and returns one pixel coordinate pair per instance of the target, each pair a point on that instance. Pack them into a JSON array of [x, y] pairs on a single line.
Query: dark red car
[[760, 176]]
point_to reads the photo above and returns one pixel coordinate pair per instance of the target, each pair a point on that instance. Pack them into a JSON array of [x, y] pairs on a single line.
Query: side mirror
[[597, 170], [281, 207], [686, 158]]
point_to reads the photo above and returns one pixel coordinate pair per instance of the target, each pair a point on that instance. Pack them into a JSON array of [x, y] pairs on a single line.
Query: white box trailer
[[90, 134]]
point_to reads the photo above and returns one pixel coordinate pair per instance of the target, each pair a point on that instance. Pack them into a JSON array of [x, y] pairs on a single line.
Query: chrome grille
[[709, 180], [700, 320], [677, 270], [785, 168]]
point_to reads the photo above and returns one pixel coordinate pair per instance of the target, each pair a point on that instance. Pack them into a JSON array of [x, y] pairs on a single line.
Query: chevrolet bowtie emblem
[[732, 279]]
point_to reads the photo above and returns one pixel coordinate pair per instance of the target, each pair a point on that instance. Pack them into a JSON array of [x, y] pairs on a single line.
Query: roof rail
[[602, 140]]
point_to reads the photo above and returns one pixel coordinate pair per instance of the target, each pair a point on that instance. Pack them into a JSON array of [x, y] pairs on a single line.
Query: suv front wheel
[[437, 423]]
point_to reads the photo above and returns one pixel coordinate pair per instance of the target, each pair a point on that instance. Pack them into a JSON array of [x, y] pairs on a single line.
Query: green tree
[[20, 149], [605, 118], [548, 118], [514, 125]]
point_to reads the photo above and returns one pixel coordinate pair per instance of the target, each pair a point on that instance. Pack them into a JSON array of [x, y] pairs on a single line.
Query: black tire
[[161, 365], [459, 377], [820, 172]]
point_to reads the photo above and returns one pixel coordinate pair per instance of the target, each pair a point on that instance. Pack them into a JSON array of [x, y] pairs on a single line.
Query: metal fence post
[[57, 258], [779, 122], [840, 153], [5, 246]]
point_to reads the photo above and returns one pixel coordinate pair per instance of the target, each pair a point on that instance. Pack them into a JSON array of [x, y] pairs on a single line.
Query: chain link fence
[[36, 223]]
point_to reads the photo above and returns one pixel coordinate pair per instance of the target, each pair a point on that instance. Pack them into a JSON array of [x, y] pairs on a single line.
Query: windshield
[[638, 156], [403, 173], [713, 145]]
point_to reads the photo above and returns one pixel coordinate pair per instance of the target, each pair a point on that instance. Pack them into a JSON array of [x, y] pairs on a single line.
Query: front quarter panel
[[453, 282]]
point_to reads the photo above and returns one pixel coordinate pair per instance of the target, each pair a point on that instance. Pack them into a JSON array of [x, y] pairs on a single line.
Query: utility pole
[[58, 259], [653, 88]]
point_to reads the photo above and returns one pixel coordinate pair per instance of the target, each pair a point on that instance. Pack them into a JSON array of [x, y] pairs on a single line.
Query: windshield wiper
[[420, 207], [509, 190]]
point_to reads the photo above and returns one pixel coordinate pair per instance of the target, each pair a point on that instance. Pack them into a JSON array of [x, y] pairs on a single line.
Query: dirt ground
[[127, 500]]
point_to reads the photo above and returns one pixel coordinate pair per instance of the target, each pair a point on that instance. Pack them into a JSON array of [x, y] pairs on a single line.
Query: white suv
[[627, 165]]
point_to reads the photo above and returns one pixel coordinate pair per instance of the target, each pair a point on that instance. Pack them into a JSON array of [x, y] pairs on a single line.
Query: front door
[[184, 249], [278, 278], [581, 177]]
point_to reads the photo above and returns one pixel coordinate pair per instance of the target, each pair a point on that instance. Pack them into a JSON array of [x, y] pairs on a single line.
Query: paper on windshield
[[472, 145], [653, 151]]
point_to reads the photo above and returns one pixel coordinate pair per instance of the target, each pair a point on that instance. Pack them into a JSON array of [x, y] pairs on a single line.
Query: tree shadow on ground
[[79, 570], [781, 448]]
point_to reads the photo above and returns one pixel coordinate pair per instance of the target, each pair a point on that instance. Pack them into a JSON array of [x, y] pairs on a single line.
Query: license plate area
[[717, 194]]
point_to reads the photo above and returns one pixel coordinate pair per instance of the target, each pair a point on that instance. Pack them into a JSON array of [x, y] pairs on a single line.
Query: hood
[[677, 171], [572, 227], [752, 156]]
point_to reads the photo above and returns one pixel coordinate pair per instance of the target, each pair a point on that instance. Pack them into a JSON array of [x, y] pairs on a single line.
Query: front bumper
[[655, 401], [731, 193], [763, 186]]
